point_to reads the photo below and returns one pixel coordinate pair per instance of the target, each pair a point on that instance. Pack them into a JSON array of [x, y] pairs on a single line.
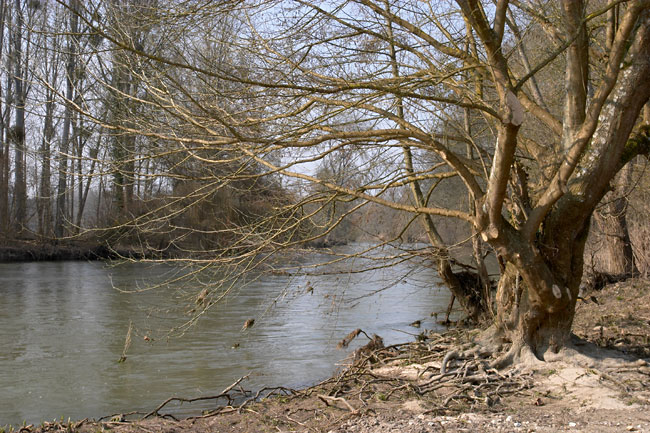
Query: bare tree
[[401, 80], [71, 59], [4, 127], [17, 132], [49, 71]]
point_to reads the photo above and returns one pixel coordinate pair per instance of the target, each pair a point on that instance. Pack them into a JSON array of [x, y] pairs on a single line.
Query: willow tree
[[534, 106]]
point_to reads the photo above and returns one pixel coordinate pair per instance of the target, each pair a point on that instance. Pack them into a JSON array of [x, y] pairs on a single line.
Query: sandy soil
[[604, 388]]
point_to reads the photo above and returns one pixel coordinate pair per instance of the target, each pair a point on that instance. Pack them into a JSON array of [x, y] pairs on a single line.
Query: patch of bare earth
[[445, 384]]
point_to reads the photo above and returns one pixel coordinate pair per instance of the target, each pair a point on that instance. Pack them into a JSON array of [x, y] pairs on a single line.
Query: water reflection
[[63, 324]]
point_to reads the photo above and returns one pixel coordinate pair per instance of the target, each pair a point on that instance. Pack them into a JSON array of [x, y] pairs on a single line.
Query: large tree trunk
[[538, 290], [537, 293]]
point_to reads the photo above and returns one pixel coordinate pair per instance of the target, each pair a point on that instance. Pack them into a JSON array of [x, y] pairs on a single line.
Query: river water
[[63, 327]]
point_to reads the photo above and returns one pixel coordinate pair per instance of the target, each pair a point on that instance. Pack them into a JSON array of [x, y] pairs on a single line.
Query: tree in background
[[71, 86], [4, 127]]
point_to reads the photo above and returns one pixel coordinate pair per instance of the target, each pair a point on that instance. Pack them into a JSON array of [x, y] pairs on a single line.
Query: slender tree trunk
[[5, 204], [4, 151], [98, 208], [123, 142], [45, 190], [484, 282], [91, 171], [62, 174], [4, 189], [470, 299], [80, 182], [62, 186], [18, 131], [4, 198]]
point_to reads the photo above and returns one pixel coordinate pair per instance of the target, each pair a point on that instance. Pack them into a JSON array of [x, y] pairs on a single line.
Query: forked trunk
[[538, 290], [524, 321]]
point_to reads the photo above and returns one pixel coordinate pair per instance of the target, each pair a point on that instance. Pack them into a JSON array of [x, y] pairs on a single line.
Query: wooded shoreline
[[35, 251], [39, 252]]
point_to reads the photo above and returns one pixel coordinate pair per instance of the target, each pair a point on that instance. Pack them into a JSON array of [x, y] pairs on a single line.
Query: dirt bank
[[420, 387]]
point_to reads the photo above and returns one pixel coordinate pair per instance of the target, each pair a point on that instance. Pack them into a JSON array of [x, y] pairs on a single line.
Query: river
[[63, 327]]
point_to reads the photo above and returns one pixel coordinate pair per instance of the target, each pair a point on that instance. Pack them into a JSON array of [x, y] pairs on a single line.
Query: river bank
[[37, 251], [400, 388], [28, 251]]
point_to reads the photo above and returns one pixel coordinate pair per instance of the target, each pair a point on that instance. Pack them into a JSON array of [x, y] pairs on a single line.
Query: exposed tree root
[[449, 368], [452, 354], [519, 354]]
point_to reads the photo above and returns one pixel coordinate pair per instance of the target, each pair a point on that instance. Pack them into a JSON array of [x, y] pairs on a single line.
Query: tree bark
[[4, 123], [537, 293], [84, 196], [123, 142], [538, 290], [45, 191], [18, 131], [612, 222], [62, 187]]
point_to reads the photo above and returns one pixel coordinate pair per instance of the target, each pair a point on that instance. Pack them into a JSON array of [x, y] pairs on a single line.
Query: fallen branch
[[223, 394], [326, 398]]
